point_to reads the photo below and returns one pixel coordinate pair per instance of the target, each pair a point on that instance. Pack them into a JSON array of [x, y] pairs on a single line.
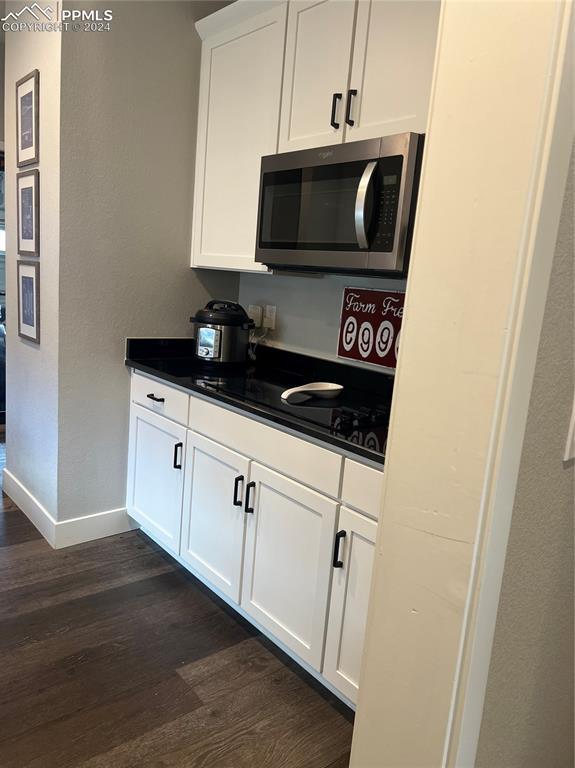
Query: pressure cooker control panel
[[208, 344]]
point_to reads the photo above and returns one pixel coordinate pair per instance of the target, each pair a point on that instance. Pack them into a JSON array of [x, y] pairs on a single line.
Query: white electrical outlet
[[270, 316], [255, 312]]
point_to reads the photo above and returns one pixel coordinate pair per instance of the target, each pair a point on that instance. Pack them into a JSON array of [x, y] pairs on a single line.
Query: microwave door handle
[[361, 196]]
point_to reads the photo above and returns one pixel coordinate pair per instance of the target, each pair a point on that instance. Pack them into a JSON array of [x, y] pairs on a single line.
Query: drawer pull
[[152, 396], [177, 455], [249, 510], [237, 501], [337, 563]]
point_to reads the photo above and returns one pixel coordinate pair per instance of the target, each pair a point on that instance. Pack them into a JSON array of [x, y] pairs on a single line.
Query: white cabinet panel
[[160, 398], [238, 123], [392, 66], [155, 475], [286, 569], [213, 526], [310, 464], [362, 488], [318, 53], [349, 602]]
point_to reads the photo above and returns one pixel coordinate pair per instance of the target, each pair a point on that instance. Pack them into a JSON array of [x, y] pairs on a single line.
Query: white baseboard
[[65, 533], [34, 511]]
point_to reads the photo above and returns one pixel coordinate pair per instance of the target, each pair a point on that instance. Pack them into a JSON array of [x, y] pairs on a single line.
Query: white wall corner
[[65, 533], [526, 318], [441, 541], [29, 504], [90, 527]]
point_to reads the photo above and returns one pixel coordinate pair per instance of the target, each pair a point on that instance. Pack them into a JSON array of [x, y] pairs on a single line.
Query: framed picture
[[28, 212], [29, 300], [27, 119]]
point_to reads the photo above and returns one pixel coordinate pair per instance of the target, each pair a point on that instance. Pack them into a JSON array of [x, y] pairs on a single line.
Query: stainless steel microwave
[[347, 208]]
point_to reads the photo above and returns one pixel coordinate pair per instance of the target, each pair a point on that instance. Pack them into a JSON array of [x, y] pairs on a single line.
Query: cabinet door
[[240, 88], [155, 475], [214, 518], [392, 67], [318, 54], [287, 561], [349, 600]]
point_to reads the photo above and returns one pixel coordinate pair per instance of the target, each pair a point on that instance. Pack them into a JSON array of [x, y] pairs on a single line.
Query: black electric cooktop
[[356, 421]]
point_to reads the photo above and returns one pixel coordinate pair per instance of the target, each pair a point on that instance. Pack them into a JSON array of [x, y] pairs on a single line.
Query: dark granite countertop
[[357, 421]]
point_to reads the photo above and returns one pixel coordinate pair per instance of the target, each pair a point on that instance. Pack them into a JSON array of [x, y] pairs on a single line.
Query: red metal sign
[[370, 325]]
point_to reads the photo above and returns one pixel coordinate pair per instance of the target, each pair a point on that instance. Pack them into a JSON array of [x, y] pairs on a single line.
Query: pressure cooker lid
[[218, 312]]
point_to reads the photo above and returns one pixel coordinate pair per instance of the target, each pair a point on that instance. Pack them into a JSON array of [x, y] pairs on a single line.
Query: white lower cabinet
[[265, 541], [349, 601], [289, 541], [155, 475], [213, 518]]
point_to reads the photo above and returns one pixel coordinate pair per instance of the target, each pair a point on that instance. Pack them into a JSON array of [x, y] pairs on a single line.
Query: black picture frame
[[35, 175], [34, 267], [22, 158]]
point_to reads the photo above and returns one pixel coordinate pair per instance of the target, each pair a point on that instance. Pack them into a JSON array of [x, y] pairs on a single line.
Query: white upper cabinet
[[374, 56], [277, 77], [238, 122], [318, 53], [392, 67]]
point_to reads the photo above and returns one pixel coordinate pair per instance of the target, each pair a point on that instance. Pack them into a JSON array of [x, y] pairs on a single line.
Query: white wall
[[2, 78], [528, 715], [32, 370], [2, 57], [477, 244], [118, 118], [129, 111], [308, 307]]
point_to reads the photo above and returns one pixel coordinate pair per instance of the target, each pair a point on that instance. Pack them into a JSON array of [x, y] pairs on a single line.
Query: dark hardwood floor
[[111, 656]]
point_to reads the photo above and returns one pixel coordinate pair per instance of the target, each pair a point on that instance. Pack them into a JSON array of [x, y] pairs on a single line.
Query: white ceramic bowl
[[323, 389]]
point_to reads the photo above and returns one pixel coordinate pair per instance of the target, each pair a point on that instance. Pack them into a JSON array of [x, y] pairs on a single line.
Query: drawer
[[308, 463], [169, 402], [362, 488]]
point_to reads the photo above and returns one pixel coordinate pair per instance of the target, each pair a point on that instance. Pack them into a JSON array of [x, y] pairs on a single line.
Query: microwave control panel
[[387, 203]]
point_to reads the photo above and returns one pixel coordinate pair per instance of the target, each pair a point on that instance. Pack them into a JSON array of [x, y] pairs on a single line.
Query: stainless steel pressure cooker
[[222, 332]]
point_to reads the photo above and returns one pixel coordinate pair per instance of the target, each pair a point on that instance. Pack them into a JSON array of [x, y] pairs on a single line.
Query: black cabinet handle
[[239, 479], [337, 563], [178, 463], [335, 98], [249, 510], [350, 94], [152, 396]]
